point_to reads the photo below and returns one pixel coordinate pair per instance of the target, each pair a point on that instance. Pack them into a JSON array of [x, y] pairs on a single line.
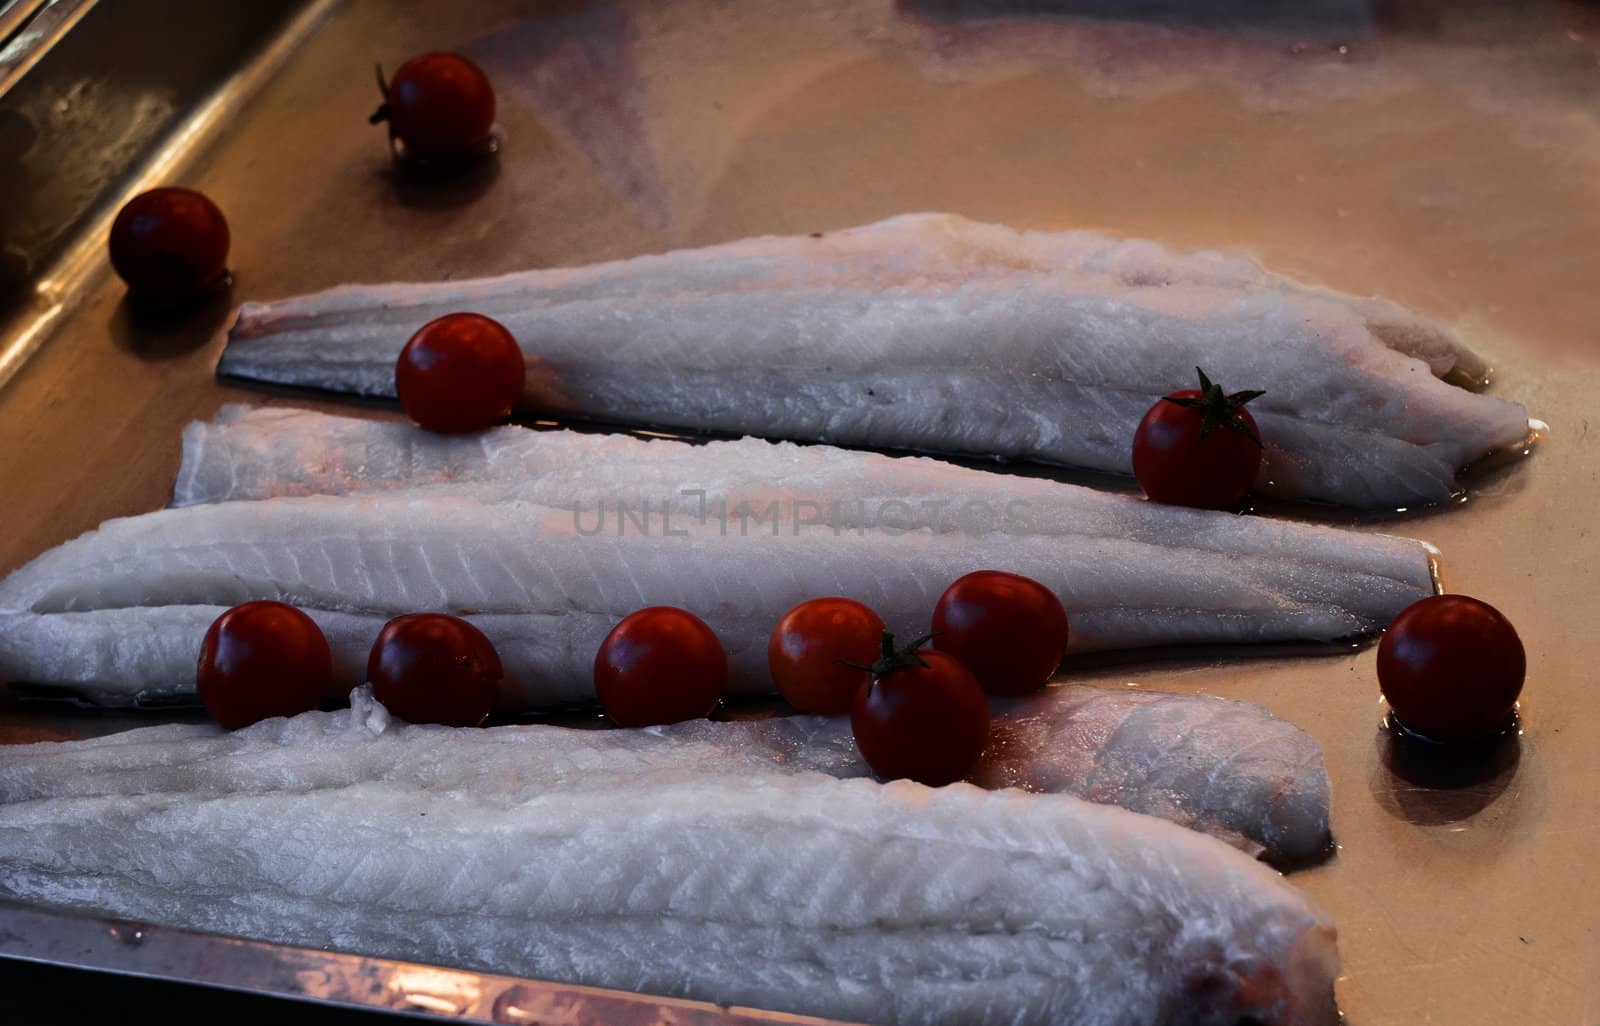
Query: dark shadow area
[[1430, 784], [442, 186], [156, 331], [1294, 863], [370, 402], [58, 710], [62, 714], [32, 994], [66, 699]]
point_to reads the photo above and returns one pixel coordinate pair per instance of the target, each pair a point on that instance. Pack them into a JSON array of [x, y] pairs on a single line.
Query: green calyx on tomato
[[892, 659], [1219, 409]]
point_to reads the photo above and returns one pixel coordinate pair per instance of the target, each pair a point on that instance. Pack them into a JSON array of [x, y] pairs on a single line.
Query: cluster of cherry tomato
[[170, 245], [264, 659], [921, 713], [915, 713], [1451, 667]]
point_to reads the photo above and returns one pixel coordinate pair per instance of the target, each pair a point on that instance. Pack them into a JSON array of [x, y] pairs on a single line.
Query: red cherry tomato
[[1451, 668], [433, 668], [1009, 630], [660, 665], [805, 647], [461, 372], [440, 105], [260, 660], [925, 722], [170, 244], [1198, 447]]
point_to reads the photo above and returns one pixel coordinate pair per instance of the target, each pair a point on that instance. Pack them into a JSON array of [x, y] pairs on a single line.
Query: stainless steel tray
[[1445, 155], [331, 978]]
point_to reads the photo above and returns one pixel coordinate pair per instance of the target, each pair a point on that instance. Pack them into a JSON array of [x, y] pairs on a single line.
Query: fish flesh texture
[[933, 333], [748, 483], [1224, 767], [546, 585], [1227, 768], [527, 851]]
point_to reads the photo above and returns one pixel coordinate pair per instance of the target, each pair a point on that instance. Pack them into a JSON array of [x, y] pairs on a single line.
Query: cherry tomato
[[1198, 447], [440, 105], [461, 372], [260, 660], [660, 665], [433, 668], [170, 244], [1451, 668], [923, 717], [806, 645], [1009, 630]]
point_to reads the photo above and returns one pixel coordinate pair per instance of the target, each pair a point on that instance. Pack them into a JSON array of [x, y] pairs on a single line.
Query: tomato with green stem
[[1198, 447], [922, 716], [440, 106]]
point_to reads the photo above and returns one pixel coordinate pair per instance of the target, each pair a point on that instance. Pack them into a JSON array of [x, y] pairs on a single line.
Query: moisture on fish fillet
[[527, 851], [547, 585], [933, 333]]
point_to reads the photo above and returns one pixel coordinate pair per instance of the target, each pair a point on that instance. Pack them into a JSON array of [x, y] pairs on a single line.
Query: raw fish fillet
[[933, 333], [1224, 767], [530, 851], [269, 453], [546, 585]]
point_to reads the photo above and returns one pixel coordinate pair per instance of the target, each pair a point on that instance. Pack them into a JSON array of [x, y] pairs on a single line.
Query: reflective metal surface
[[1444, 155], [28, 30], [115, 94], [142, 949]]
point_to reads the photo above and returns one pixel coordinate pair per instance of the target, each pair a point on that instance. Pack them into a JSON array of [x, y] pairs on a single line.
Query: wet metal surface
[[1444, 155]]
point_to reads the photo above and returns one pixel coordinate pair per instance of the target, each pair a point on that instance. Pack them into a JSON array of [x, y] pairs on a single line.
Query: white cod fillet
[[933, 333], [126, 604], [525, 850], [749, 483], [1227, 768]]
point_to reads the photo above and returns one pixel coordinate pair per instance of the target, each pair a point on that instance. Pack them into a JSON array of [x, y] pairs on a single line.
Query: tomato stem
[[892, 659], [1218, 408], [382, 113]]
